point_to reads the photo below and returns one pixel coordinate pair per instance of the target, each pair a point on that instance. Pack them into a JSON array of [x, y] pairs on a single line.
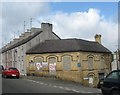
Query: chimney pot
[[98, 38]]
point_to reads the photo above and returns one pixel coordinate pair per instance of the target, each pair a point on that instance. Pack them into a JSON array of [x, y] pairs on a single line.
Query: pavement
[[62, 84]]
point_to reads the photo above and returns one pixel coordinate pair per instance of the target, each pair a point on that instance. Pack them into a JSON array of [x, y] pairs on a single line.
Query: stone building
[[76, 60], [14, 53]]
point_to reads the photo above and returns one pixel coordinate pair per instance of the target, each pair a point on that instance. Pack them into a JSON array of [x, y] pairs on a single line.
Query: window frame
[[102, 62], [67, 61], [90, 66]]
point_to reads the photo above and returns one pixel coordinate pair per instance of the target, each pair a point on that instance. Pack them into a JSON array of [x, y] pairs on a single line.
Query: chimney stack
[[47, 30], [98, 38]]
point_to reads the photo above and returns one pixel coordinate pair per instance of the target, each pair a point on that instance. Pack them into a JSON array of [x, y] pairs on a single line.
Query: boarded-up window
[[102, 62], [66, 62], [38, 63], [90, 62], [52, 66], [38, 59], [52, 60]]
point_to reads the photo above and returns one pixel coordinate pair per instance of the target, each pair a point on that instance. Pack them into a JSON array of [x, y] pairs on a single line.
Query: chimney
[[98, 38], [47, 30], [46, 26], [8, 45], [11, 43], [26, 34], [21, 37], [34, 30]]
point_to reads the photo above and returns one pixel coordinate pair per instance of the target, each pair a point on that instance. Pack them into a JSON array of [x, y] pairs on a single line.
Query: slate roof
[[67, 45], [21, 42], [24, 41]]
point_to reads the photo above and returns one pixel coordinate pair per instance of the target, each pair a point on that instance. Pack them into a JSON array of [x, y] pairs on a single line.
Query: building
[[76, 60], [116, 61], [14, 53]]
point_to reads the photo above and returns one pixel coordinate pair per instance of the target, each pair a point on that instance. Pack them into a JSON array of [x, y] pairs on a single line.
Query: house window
[[66, 62], [38, 59], [102, 62], [90, 62], [52, 60]]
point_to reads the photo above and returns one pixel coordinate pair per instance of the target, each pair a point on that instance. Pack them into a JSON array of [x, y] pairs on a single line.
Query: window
[[12, 68], [66, 62], [38, 59], [102, 62], [52, 60], [90, 62], [1, 67], [119, 74], [113, 75]]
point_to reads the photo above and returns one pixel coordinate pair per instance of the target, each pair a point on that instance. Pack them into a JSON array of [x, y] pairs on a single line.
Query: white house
[[14, 53], [115, 63]]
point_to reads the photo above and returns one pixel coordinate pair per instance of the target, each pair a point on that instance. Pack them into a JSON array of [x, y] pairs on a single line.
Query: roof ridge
[[68, 45], [22, 41]]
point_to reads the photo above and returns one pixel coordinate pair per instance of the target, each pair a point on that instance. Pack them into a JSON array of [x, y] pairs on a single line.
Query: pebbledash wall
[[14, 53]]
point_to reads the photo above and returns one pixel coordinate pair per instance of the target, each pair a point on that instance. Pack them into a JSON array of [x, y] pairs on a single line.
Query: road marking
[[37, 82], [55, 86], [67, 88], [45, 84], [99, 90], [89, 92], [33, 81], [41, 83], [76, 91], [61, 87]]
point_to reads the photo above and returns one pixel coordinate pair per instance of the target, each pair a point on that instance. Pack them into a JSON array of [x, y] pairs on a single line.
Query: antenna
[[5, 41], [14, 35], [30, 23], [18, 32], [24, 26]]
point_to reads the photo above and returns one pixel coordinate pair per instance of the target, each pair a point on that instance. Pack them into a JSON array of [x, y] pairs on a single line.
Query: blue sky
[[88, 19], [106, 8]]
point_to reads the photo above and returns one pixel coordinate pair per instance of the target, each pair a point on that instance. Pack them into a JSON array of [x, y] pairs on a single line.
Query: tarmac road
[[45, 85]]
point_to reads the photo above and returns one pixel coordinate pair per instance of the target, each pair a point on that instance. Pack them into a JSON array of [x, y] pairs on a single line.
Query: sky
[[81, 20]]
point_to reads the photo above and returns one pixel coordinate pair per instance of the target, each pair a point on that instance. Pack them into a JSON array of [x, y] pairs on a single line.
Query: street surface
[[45, 85]]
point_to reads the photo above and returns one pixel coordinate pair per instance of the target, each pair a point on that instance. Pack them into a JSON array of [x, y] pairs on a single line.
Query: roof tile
[[67, 45]]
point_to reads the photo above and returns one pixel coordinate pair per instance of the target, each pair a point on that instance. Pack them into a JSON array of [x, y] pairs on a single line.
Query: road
[[45, 85]]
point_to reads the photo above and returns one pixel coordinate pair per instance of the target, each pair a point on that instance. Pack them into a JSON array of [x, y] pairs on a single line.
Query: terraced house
[[39, 51], [14, 53], [75, 60]]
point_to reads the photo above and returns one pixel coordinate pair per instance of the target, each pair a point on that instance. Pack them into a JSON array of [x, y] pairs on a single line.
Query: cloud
[[81, 25], [15, 13], [85, 25]]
